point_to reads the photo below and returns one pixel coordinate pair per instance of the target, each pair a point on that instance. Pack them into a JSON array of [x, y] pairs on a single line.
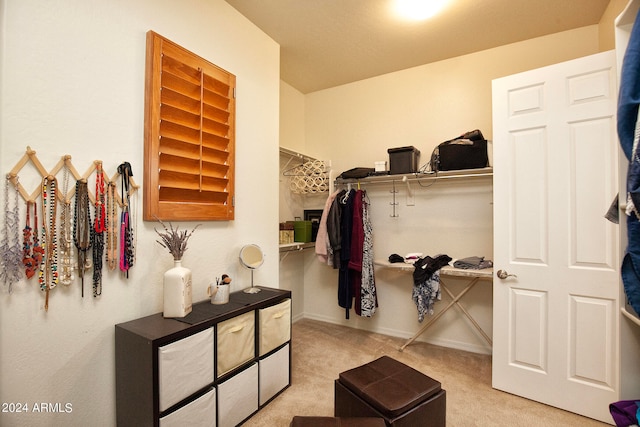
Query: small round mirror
[[251, 256]]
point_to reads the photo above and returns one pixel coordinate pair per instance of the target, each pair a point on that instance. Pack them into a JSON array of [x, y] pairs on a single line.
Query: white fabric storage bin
[[184, 367], [236, 342], [238, 397], [275, 326], [199, 413], [274, 374]]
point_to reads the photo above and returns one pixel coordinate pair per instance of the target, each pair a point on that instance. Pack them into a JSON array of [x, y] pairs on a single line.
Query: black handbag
[[468, 151], [357, 173]]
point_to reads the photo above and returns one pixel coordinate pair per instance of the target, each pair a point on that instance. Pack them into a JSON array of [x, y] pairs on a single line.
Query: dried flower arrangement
[[174, 239]]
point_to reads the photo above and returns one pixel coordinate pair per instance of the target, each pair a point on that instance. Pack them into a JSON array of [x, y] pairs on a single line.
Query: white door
[[555, 175]]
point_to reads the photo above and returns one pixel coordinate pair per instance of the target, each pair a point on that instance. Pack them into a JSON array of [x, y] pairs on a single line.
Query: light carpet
[[320, 351]]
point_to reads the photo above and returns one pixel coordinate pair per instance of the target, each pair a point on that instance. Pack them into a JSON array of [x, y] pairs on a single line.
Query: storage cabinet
[[211, 368]]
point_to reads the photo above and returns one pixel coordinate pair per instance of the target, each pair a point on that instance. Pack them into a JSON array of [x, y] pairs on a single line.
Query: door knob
[[503, 274]]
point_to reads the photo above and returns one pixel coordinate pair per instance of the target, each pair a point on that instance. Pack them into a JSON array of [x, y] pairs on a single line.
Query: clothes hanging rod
[[296, 246], [418, 176]]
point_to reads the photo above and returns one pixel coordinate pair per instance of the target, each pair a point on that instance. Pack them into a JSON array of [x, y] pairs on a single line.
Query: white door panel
[[555, 171]]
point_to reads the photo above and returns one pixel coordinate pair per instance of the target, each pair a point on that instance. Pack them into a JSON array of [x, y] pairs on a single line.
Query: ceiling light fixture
[[417, 10]]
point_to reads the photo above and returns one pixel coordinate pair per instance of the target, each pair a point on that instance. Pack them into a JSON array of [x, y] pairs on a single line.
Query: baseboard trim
[[458, 345]]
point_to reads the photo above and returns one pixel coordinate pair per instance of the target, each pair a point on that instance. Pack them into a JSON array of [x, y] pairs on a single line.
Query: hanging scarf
[[126, 230], [426, 283]]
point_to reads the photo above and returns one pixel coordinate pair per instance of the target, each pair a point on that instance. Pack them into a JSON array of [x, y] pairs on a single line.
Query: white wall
[[292, 133], [355, 124], [291, 205], [292, 136], [72, 82]]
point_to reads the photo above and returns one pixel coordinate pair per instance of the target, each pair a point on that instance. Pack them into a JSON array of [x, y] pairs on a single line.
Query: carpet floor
[[320, 351]]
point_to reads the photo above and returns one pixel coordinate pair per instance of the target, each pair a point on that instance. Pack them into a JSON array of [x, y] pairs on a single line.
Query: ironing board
[[474, 276]]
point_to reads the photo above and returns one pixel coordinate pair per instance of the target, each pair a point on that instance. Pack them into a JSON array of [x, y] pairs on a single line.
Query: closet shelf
[[296, 246], [420, 176], [295, 154], [309, 175]]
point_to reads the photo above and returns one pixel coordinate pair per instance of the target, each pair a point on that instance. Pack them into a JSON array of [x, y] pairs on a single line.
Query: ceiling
[[327, 43]]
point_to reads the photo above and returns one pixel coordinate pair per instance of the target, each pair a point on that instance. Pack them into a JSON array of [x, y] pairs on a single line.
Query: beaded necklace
[[48, 275], [38, 249], [133, 212], [66, 248], [98, 232], [27, 245], [82, 229], [111, 223], [10, 251]]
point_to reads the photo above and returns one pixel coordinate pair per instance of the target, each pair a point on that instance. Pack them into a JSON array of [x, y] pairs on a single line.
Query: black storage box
[[403, 160]]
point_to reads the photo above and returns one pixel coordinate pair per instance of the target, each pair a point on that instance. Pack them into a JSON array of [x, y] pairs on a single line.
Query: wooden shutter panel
[[189, 135]]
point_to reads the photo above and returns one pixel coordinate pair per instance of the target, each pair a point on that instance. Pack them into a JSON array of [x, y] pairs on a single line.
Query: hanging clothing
[[369, 295], [361, 262], [348, 233], [323, 246], [357, 243], [345, 294], [426, 283], [425, 294], [629, 132], [334, 219]]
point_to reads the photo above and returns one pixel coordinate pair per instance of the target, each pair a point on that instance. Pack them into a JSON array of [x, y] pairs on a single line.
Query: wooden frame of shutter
[[189, 135]]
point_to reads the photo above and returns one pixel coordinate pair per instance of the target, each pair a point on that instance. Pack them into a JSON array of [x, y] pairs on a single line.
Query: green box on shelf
[[302, 231]]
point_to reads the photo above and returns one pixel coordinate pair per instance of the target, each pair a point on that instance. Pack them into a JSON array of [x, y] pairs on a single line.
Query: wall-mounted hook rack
[[65, 161]]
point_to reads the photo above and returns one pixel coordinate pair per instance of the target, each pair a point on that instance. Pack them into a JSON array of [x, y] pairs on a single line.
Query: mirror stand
[[252, 289], [252, 257]]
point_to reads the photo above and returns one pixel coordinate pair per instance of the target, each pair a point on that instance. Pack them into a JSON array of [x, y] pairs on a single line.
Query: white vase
[[177, 291]]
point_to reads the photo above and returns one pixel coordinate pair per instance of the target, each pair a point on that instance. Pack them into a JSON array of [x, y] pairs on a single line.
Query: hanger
[[298, 172], [290, 171], [346, 195]]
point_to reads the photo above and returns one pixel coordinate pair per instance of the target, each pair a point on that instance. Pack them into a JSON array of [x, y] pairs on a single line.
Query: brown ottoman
[[386, 388], [299, 421]]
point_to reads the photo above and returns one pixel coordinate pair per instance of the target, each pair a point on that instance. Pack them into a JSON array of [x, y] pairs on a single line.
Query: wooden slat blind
[[189, 135]]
